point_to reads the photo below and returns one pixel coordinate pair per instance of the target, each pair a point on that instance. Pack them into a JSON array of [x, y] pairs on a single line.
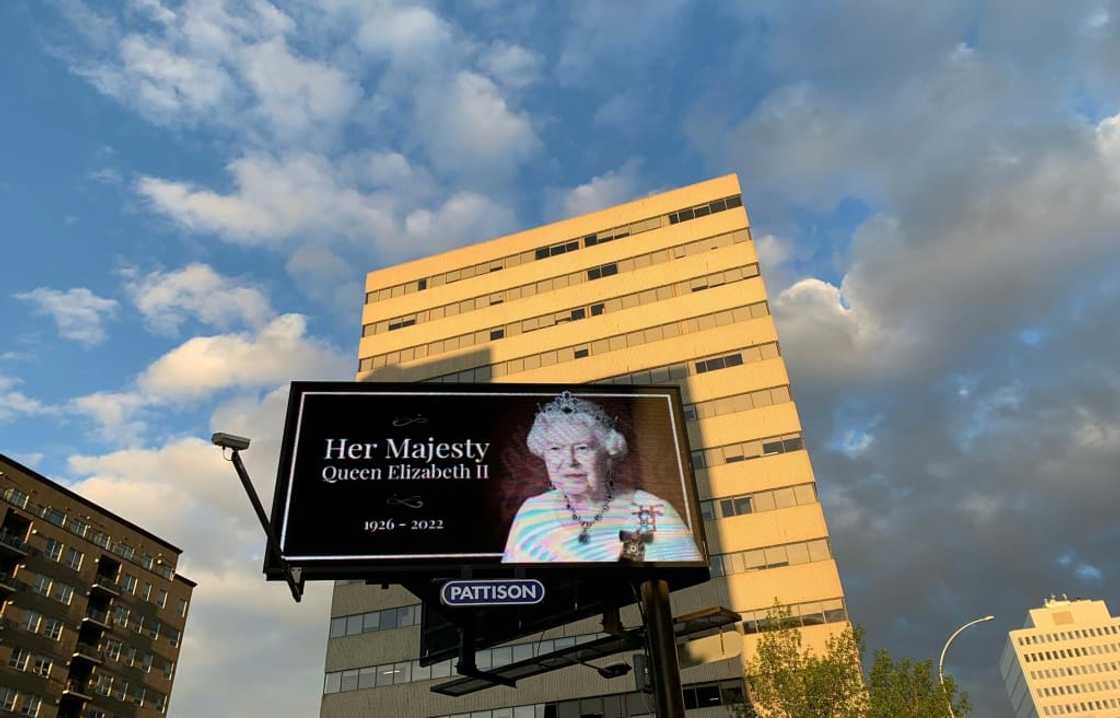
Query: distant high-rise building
[[91, 608], [662, 290], [1065, 661]]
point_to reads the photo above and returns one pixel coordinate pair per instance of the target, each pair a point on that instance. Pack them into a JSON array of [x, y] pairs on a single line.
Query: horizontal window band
[[570, 314], [782, 497], [746, 450], [523, 291], [552, 250], [618, 342], [770, 557]]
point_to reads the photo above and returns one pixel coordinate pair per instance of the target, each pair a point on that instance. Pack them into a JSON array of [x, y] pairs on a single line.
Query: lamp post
[[941, 661]]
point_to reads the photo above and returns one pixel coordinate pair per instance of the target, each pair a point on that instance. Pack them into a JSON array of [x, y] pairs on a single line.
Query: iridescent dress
[[544, 531]]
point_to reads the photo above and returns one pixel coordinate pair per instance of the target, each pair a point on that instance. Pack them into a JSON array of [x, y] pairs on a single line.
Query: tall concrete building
[[92, 612], [1065, 661], [661, 290]]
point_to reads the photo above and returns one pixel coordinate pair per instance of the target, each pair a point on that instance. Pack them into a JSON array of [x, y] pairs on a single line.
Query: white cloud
[[327, 277], [15, 403], [511, 65], [78, 313], [222, 542], [167, 299], [613, 187], [464, 217], [408, 35], [470, 128], [297, 98], [281, 351], [117, 414]]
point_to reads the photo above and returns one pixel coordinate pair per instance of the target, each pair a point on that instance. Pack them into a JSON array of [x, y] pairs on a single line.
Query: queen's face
[[577, 463]]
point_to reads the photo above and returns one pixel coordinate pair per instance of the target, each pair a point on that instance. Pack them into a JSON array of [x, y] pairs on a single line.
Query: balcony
[[97, 617], [77, 689], [13, 544], [8, 584], [106, 585], [88, 652]]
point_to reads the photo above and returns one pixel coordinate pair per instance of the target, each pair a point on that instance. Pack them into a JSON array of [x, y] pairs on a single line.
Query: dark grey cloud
[[958, 375]]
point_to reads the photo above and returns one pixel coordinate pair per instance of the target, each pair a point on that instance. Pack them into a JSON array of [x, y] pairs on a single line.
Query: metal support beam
[[661, 639], [295, 584]]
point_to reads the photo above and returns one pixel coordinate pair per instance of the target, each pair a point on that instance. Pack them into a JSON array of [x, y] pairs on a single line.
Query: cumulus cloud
[[511, 65], [14, 403], [168, 299], [222, 546], [279, 352], [605, 190], [78, 313]]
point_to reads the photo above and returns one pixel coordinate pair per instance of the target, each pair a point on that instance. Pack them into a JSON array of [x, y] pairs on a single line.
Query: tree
[[910, 689], [787, 680]]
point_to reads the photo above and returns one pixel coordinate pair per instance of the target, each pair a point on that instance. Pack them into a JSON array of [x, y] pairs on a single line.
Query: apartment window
[[31, 621], [30, 705], [41, 585], [62, 592], [604, 270], [497, 334], [54, 550], [42, 666], [129, 582], [173, 635], [74, 558], [52, 629], [161, 598], [597, 309], [581, 353], [120, 616], [183, 607], [53, 515], [124, 550], [146, 594], [8, 699], [16, 497], [19, 658], [100, 538]]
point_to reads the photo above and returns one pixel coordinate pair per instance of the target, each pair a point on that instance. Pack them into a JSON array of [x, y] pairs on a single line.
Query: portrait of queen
[[587, 515]]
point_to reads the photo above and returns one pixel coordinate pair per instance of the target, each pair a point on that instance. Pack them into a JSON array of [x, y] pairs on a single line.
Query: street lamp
[[941, 661]]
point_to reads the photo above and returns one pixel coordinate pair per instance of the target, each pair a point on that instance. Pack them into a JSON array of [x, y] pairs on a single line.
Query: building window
[[183, 607], [161, 598], [19, 658], [55, 516], [41, 585], [129, 582], [8, 699], [74, 558], [52, 629], [54, 550], [497, 334], [31, 621], [62, 592], [42, 666], [30, 705]]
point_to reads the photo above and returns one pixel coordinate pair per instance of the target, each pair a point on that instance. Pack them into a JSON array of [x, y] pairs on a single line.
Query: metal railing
[[98, 615], [79, 687], [107, 583], [10, 539]]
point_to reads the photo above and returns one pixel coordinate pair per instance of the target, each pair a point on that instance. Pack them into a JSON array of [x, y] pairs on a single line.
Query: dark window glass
[[772, 447], [707, 511], [673, 218], [733, 359], [751, 626], [590, 240], [700, 289], [422, 284], [496, 300], [701, 367], [610, 269], [571, 246], [496, 269], [690, 413], [594, 273], [581, 353], [707, 696], [717, 363], [408, 322], [685, 214], [497, 334], [836, 615], [743, 505], [597, 309], [791, 444], [578, 314], [718, 206], [542, 253], [731, 695], [702, 211], [690, 699], [727, 507], [698, 460], [393, 326], [388, 619], [735, 201], [620, 235], [733, 459], [558, 249]]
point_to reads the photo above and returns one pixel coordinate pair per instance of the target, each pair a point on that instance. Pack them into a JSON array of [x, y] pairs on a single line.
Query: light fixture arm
[[941, 661]]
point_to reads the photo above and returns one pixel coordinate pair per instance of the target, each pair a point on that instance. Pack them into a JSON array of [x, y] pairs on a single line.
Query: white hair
[[608, 437]]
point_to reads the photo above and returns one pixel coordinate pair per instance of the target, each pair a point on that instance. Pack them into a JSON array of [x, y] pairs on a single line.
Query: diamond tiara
[[567, 405]]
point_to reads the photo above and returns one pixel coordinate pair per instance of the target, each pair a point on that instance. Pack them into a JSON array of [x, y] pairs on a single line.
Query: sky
[[193, 192]]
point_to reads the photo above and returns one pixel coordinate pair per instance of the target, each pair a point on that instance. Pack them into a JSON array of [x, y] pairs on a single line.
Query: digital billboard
[[410, 477]]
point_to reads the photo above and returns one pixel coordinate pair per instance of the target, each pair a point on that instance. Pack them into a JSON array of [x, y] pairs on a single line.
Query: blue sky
[[193, 191]]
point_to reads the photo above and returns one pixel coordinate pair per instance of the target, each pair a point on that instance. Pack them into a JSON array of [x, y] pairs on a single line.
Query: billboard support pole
[[663, 649], [295, 585]]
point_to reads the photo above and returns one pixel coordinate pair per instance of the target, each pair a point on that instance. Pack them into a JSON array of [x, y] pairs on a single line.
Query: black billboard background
[[329, 519]]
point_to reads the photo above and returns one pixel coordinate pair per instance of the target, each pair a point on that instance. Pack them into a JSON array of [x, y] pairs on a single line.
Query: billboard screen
[[421, 476]]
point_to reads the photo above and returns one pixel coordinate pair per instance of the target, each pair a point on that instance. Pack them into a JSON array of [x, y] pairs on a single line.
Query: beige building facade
[[661, 290], [1065, 661], [92, 610]]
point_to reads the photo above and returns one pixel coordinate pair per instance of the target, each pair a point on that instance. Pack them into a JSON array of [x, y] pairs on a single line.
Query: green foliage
[[910, 689], [787, 680]]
